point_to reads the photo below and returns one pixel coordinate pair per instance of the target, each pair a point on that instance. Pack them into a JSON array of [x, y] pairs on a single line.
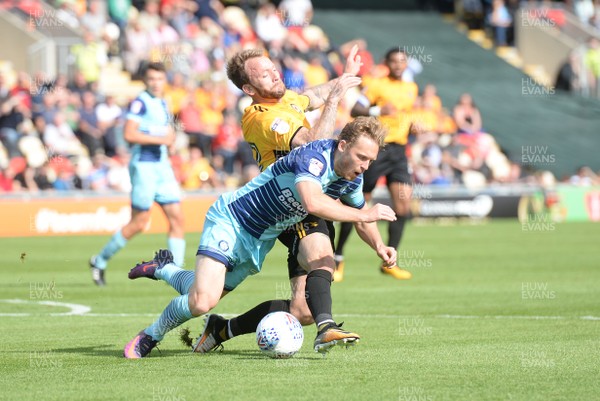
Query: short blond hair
[[235, 66], [370, 127]]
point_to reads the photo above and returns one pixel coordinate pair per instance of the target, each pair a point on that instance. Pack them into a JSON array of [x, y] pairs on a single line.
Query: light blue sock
[[177, 278], [113, 246], [177, 247], [175, 314]]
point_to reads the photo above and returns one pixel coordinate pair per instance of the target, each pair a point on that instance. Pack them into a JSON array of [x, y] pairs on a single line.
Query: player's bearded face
[[265, 79], [274, 91]]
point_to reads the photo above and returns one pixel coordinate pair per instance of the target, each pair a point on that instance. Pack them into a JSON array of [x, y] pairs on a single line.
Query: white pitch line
[[75, 309], [506, 317], [83, 310]]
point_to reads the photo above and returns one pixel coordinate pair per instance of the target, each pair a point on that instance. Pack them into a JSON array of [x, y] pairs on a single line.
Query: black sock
[[318, 295], [247, 322], [344, 234], [395, 229]]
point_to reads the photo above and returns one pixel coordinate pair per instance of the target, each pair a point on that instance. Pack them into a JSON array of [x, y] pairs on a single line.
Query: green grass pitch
[[495, 311]]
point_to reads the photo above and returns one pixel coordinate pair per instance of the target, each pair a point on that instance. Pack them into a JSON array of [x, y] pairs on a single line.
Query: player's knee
[[200, 304], [177, 222], [325, 261], [139, 223], [320, 255], [402, 210]]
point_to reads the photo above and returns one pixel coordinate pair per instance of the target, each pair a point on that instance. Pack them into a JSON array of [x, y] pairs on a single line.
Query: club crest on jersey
[[223, 245], [315, 167], [293, 106], [280, 126]]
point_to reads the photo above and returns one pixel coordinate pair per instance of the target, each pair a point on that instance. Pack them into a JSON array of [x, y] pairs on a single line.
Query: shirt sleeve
[[309, 166], [354, 199], [304, 101], [372, 92], [136, 110]]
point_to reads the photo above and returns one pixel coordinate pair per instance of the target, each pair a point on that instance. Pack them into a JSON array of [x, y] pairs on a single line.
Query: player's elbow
[[302, 137], [129, 135], [310, 206]]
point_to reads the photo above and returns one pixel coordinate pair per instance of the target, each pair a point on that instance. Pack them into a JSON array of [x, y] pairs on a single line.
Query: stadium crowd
[[63, 133], [580, 72]]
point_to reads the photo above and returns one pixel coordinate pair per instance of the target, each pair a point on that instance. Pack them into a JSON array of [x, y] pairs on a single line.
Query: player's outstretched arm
[[323, 128], [319, 94], [369, 233], [315, 202]]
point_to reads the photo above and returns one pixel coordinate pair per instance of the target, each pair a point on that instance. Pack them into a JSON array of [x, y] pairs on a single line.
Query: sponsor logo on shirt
[[315, 167], [280, 126], [136, 107]]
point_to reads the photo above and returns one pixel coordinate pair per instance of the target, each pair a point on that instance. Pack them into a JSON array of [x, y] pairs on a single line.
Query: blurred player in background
[[149, 130], [241, 227], [390, 99]]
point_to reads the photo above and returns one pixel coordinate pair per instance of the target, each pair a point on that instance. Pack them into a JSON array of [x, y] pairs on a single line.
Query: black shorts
[[244, 155], [291, 239], [391, 163]]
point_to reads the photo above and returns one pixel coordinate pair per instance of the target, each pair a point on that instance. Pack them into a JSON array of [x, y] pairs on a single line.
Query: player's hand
[[388, 255], [169, 138], [389, 109], [345, 82], [379, 212], [353, 62], [418, 127]]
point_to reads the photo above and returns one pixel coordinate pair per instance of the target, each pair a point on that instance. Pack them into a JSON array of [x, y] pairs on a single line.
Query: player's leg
[[219, 246], [98, 263], [400, 189], [315, 254], [400, 193], [298, 305], [344, 234], [168, 197], [176, 240], [143, 188], [218, 329], [162, 267], [208, 285], [204, 294]]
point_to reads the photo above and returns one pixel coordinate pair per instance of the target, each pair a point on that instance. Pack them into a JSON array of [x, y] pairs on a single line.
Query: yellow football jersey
[[402, 95], [270, 127]]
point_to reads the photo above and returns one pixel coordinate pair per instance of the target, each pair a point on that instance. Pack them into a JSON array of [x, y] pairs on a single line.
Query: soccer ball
[[279, 335]]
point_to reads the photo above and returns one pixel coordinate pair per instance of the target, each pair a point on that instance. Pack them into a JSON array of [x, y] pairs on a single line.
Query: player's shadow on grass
[[110, 350], [93, 350], [253, 355]]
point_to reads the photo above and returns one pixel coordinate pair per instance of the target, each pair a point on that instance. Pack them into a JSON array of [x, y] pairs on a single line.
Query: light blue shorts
[[224, 240], [152, 182]]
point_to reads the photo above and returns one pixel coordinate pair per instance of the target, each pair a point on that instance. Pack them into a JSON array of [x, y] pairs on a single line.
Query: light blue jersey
[[152, 178], [241, 227], [153, 117]]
